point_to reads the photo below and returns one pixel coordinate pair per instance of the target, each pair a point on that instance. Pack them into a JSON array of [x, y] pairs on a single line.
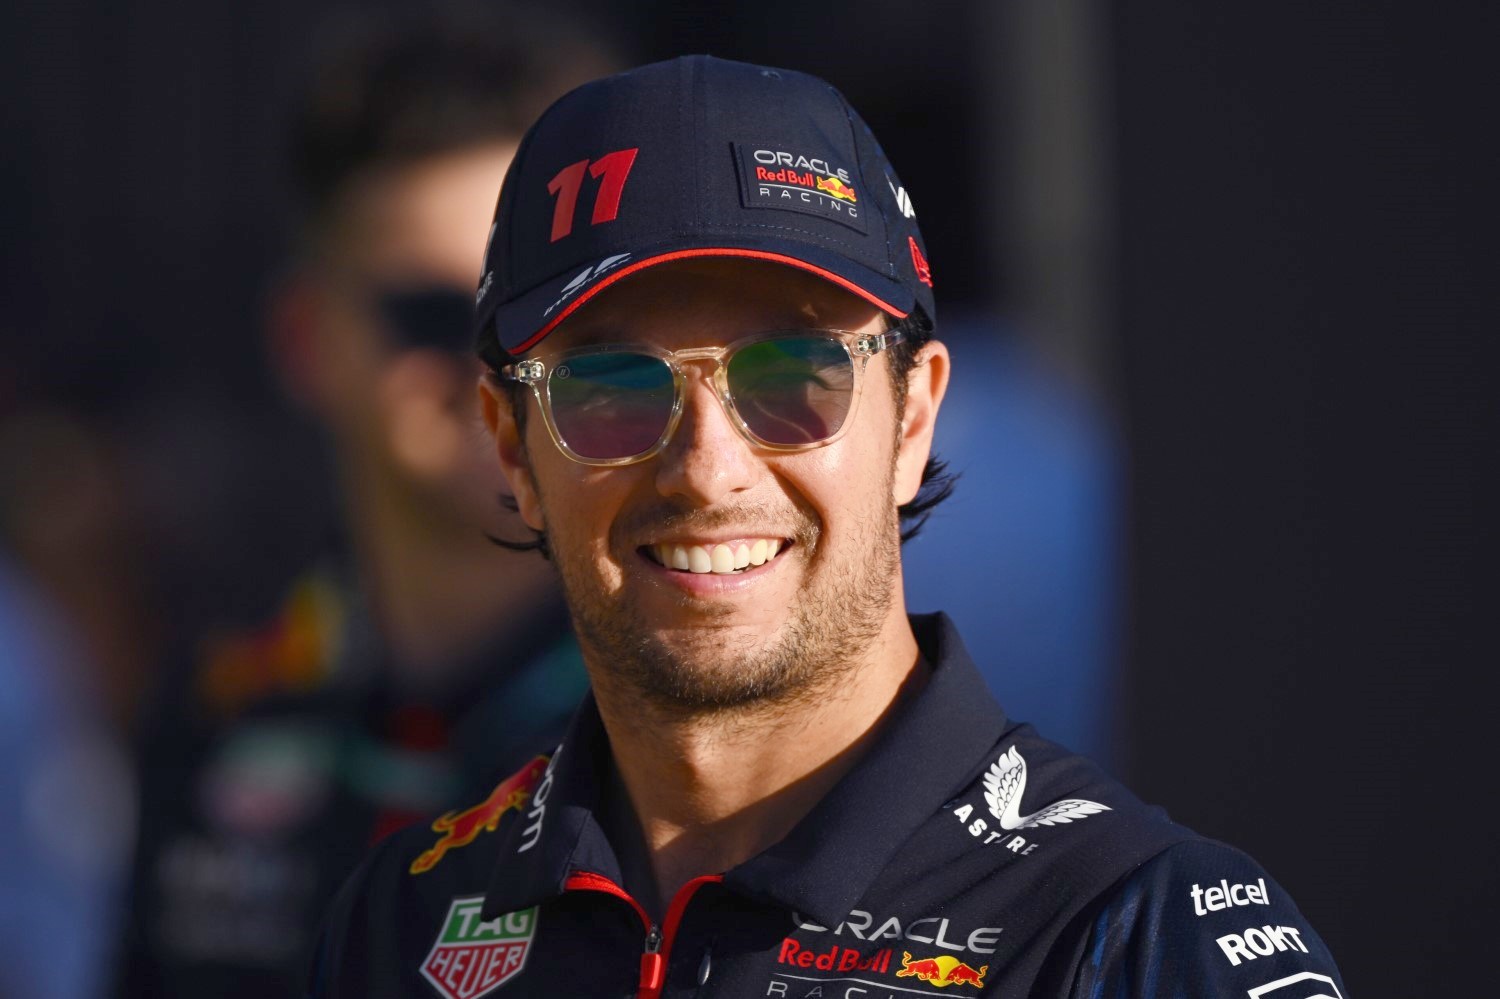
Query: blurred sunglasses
[[436, 318], [615, 404]]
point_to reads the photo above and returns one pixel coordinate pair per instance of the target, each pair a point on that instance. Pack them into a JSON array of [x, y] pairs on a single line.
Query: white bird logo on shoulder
[[1004, 786]]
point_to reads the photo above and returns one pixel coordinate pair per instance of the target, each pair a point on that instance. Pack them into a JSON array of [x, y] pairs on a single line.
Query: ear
[[926, 384], [510, 446]]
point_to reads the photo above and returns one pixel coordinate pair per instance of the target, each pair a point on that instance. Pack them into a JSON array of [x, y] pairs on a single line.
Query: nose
[[707, 460]]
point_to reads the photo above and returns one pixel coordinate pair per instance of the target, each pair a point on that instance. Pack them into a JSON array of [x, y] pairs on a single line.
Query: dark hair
[[937, 482], [399, 87]]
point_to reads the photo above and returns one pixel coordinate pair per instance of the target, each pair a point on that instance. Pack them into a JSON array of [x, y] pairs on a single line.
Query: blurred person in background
[[65, 804], [66, 796], [76, 631], [416, 661]]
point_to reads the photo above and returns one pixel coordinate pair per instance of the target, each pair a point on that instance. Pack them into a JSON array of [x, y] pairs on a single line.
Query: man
[[707, 311], [415, 662]]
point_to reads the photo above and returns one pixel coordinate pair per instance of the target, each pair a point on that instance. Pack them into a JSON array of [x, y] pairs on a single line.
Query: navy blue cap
[[696, 157]]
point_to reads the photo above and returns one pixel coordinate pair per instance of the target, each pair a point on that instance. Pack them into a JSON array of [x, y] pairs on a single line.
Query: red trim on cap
[[716, 251]]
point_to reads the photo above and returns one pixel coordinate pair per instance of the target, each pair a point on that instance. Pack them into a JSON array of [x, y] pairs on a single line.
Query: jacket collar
[[934, 744], [557, 831]]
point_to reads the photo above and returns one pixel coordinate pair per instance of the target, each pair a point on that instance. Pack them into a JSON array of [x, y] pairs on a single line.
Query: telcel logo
[[1206, 900]]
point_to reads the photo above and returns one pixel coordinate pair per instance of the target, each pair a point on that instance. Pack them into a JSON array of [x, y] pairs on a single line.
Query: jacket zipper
[[658, 948]]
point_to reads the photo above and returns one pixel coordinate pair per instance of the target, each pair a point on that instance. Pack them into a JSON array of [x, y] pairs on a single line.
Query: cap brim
[[522, 324]]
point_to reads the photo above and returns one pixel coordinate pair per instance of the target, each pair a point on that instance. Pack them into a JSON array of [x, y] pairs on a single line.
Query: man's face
[[397, 394], [787, 628]]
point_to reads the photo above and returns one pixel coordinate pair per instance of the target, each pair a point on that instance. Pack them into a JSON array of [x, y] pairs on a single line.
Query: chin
[[704, 670]]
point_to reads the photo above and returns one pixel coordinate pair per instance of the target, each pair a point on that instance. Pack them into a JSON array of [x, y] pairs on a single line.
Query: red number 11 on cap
[[613, 167]]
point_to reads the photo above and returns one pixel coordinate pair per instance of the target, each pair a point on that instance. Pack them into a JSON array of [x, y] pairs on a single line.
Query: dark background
[[1257, 237]]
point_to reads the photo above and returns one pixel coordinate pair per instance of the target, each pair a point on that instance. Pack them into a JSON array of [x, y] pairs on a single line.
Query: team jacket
[[963, 855]]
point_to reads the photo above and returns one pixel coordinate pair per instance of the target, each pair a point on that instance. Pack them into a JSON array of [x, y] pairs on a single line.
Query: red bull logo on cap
[[837, 188], [942, 971], [788, 181], [472, 958], [462, 828]]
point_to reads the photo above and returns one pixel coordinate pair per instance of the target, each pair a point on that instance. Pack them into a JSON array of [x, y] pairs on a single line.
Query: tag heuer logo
[[472, 958]]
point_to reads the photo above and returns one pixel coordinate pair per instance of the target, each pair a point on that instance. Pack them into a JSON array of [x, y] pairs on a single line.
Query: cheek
[[845, 486], [347, 371], [578, 504]]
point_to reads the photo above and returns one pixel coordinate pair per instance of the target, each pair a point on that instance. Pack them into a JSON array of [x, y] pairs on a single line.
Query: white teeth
[[699, 560], [722, 559]]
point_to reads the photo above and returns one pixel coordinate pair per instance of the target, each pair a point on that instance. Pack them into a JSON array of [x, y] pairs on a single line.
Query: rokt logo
[[1262, 941], [472, 958], [942, 971]]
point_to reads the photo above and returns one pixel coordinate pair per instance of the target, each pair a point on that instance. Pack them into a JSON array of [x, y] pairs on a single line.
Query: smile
[[720, 559]]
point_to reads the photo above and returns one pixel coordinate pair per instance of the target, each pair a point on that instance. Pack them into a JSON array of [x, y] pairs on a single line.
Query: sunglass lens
[[792, 390], [612, 404]]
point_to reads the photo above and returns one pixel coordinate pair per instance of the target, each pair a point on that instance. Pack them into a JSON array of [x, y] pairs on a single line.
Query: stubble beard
[[696, 672]]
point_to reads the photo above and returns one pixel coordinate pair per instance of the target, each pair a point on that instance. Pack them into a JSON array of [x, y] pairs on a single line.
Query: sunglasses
[[433, 318], [614, 404]]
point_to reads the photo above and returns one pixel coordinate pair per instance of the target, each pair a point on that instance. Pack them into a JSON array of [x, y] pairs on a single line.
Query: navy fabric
[[1203, 920], [962, 850], [663, 160]]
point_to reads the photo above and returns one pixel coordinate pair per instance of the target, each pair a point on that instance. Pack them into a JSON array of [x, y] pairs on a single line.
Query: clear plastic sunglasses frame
[[536, 372]]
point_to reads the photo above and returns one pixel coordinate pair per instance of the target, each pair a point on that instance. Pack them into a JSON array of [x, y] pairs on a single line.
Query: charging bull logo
[[942, 971], [837, 188], [462, 828]]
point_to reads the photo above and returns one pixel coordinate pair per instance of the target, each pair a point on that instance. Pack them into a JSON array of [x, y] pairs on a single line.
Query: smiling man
[[707, 313]]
